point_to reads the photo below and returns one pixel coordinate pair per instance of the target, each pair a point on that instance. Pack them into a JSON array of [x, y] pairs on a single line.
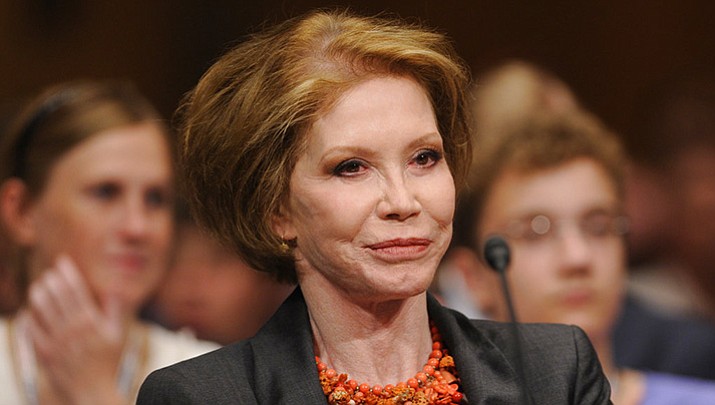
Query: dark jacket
[[645, 339], [277, 366]]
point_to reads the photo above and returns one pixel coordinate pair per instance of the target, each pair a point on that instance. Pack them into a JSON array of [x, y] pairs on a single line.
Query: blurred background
[[608, 51]]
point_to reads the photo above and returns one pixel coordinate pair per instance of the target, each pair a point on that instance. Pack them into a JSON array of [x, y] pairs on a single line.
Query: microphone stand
[[497, 255]]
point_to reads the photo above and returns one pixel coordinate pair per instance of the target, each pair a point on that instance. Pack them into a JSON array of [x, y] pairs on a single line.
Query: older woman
[[327, 149], [87, 195]]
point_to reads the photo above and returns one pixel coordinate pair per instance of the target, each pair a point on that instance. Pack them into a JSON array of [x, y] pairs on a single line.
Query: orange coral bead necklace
[[436, 383]]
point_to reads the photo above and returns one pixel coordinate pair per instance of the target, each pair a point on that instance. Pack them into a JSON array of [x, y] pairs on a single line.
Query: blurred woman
[[87, 195]]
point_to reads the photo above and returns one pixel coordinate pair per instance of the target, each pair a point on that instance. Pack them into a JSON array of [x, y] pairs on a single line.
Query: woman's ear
[[481, 281], [282, 224], [15, 211]]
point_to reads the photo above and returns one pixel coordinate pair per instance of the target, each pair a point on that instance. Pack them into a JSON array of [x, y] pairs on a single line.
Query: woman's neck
[[373, 342]]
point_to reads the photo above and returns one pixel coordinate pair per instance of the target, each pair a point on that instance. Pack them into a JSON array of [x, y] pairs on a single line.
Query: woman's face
[[371, 196], [108, 205], [569, 268]]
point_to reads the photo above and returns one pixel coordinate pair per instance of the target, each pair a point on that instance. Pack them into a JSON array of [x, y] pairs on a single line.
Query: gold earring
[[284, 247]]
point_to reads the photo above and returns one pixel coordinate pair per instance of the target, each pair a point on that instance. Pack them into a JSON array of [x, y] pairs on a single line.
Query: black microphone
[[497, 255]]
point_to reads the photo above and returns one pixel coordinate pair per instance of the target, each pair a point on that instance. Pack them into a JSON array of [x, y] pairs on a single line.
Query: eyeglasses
[[594, 226]]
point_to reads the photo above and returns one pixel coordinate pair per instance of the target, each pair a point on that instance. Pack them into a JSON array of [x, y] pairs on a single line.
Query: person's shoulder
[[558, 361], [167, 347], [501, 327], [221, 376], [539, 336], [233, 358], [549, 344], [530, 332]]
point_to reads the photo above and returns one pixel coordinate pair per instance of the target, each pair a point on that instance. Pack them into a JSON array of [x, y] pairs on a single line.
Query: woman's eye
[[105, 191], [157, 198], [349, 168], [427, 157]]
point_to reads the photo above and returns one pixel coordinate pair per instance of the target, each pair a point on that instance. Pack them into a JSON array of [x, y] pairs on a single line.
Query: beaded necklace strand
[[437, 383]]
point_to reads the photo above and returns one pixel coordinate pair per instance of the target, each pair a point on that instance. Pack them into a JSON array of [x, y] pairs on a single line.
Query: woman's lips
[[396, 250], [400, 243], [130, 262]]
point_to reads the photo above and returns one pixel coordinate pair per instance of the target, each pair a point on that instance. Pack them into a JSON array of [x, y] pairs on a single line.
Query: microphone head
[[496, 253]]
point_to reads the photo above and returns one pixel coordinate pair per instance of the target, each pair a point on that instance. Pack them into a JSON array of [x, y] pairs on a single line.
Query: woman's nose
[[135, 219], [399, 200]]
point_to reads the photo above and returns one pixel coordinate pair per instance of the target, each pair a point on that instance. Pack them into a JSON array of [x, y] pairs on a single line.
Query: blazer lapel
[[487, 374], [285, 371]]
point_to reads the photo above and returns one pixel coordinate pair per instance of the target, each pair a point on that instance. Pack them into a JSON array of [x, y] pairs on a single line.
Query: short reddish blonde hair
[[243, 125]]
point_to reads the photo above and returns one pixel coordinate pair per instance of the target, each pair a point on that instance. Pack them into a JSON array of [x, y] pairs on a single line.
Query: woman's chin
[[393, 292]]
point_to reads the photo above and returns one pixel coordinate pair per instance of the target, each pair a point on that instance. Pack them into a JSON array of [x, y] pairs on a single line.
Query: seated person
[[211, 291], [328, 150], [644, 337], [552, 186], [86, 192]]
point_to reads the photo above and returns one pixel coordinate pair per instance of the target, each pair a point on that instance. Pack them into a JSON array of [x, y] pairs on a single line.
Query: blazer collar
[[285, 369]]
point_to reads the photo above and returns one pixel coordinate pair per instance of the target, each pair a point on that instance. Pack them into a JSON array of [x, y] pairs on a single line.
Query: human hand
[[78, 342]]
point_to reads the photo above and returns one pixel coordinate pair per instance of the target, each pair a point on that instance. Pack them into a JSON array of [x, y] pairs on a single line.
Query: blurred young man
[[552, 186]]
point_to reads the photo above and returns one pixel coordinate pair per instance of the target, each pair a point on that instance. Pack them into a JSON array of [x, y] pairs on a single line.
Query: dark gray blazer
[[277, 366]]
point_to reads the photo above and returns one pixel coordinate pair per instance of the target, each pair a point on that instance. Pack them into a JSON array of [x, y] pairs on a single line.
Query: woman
[[553, 184], [87, 195], [327, 149]]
